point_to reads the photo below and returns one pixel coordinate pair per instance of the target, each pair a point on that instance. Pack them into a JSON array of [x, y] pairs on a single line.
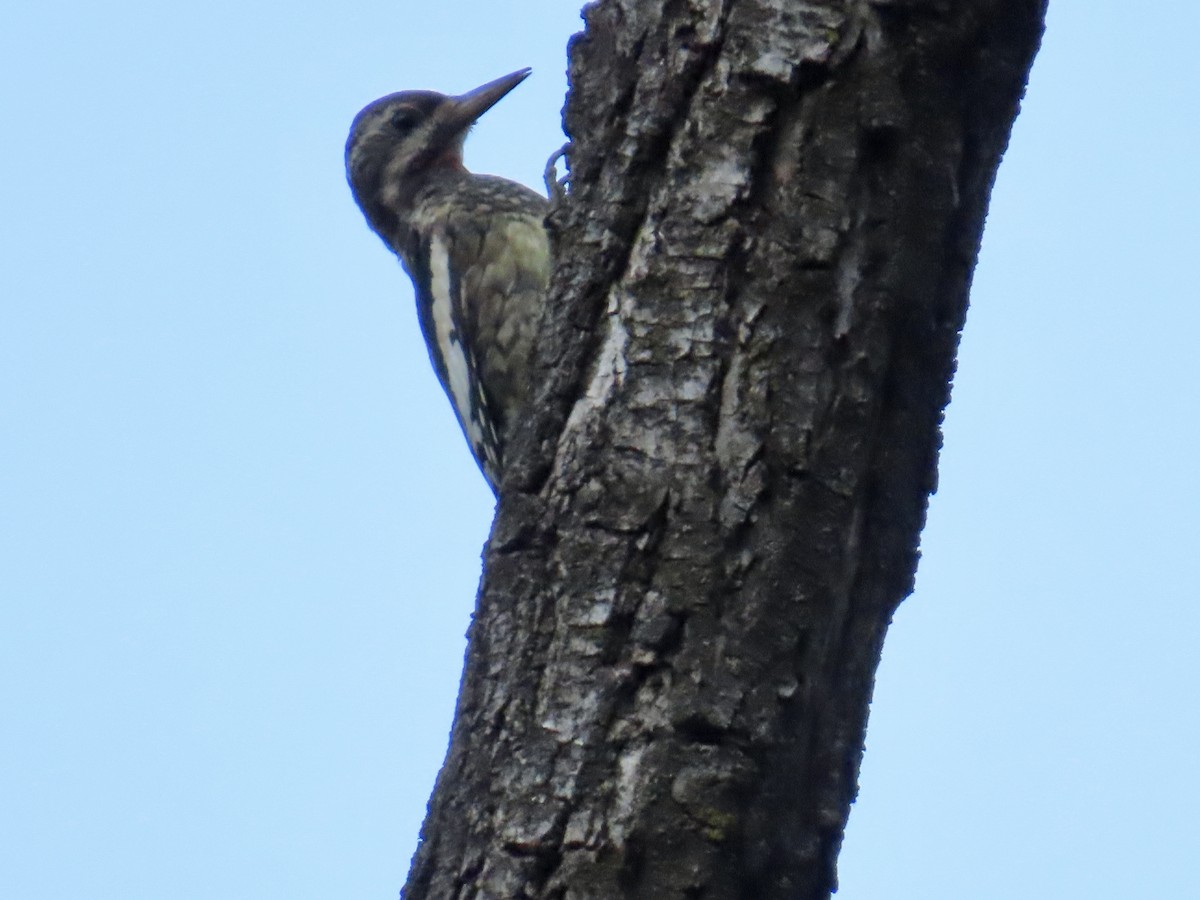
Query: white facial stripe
[[396, 171]]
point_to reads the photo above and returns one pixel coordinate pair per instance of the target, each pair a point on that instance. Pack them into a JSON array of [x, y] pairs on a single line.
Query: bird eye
[[404, 119]]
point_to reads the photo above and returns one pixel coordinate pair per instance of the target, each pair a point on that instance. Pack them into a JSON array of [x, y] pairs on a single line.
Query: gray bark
[[714, 508]]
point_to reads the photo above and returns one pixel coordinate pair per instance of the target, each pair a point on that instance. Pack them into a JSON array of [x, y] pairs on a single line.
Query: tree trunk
[[714, 510]]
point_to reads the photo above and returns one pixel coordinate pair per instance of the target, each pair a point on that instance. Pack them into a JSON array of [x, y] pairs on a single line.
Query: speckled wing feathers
[[479, 300]]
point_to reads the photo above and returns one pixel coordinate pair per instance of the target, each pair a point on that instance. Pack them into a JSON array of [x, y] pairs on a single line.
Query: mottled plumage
[[475, 247]]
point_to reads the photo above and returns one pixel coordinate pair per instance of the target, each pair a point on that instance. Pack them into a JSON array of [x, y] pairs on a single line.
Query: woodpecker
[[475, 247]]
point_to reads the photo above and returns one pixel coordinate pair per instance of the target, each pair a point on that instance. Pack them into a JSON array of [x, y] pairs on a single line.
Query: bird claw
[[556, 188]]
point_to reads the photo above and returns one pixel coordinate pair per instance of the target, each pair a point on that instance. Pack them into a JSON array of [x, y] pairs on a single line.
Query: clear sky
[[240, 531]]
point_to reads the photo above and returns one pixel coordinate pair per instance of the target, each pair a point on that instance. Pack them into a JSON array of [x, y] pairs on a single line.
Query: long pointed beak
[[470, 106]]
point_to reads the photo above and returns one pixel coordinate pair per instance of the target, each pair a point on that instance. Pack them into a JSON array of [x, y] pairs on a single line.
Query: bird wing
[[482, 268], [447, 330]]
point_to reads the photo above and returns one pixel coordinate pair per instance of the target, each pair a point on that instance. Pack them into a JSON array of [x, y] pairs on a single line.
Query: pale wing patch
[[449, 340], [461, 377]]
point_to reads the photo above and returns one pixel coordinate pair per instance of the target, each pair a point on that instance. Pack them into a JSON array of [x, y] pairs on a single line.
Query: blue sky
[[240, 531]]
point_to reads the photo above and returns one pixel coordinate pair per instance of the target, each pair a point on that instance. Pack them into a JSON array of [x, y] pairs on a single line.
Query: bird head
[[397, 141]]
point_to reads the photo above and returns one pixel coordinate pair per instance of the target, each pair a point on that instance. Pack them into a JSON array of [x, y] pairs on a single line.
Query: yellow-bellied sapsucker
[[475, 247]]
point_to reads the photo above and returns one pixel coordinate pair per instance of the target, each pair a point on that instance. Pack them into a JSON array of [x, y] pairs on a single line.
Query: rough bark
[[763, 268]]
